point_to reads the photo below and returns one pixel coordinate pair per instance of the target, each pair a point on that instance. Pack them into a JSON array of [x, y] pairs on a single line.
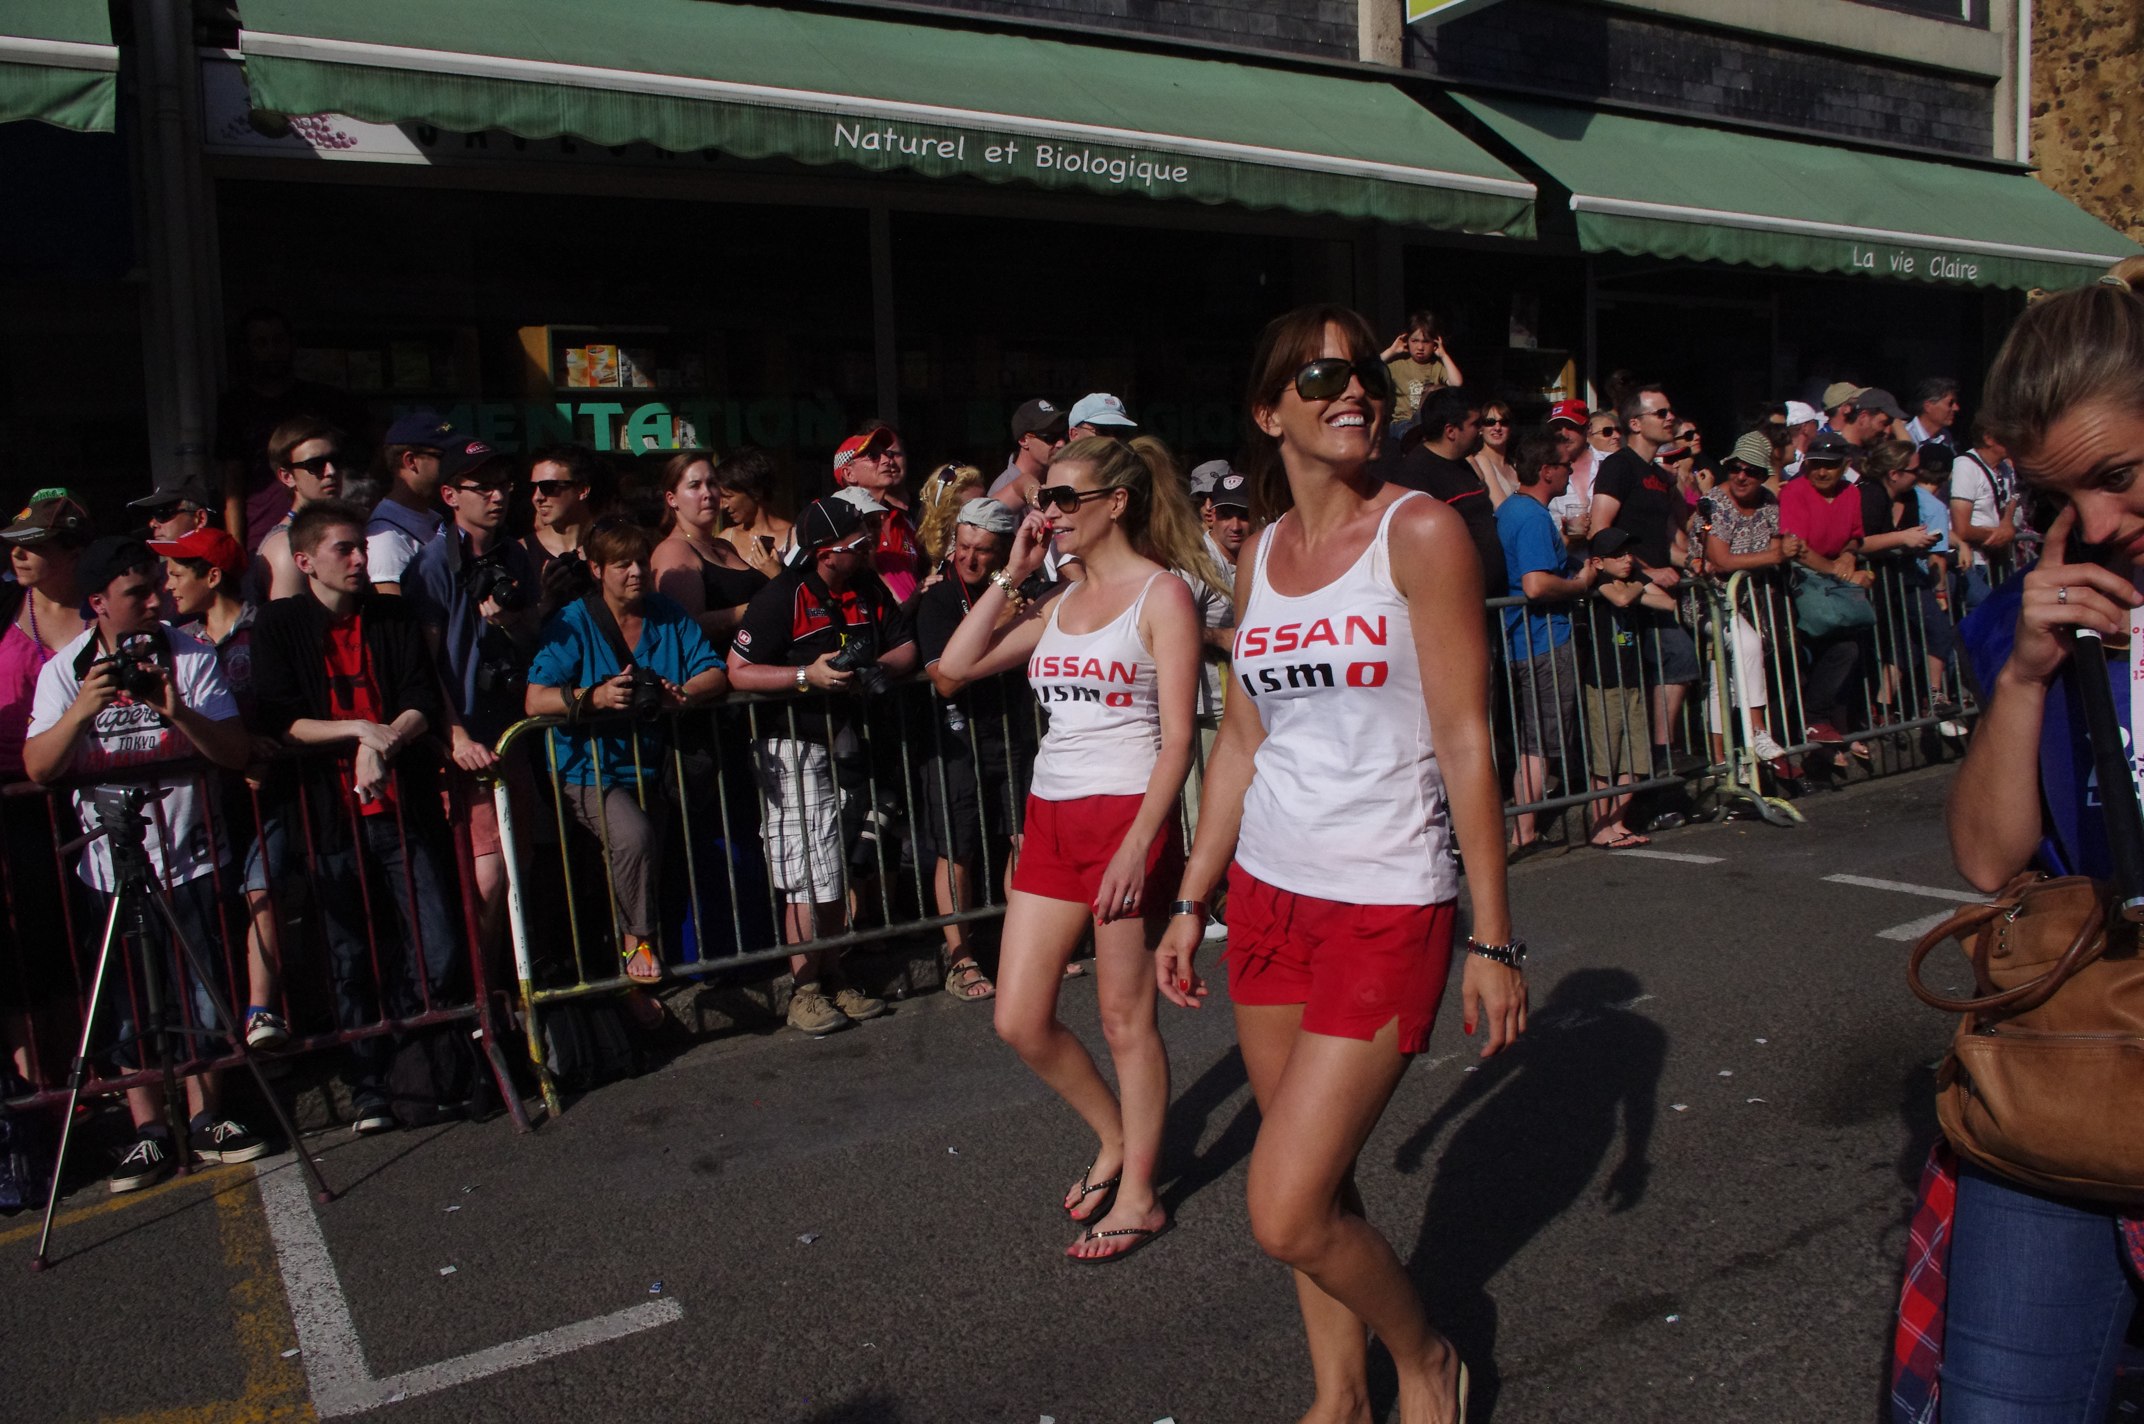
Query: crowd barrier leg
[[479, 952], [1733, 682]]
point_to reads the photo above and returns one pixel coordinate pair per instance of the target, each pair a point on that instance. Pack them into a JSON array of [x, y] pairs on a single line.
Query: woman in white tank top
[[1115, 662], [1354, 747]]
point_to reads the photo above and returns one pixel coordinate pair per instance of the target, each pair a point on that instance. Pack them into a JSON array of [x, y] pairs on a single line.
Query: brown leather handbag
[[2044, 1082]]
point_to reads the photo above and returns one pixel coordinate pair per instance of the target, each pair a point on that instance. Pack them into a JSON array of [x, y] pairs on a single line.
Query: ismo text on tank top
[[1346, 802], [1105, 715]]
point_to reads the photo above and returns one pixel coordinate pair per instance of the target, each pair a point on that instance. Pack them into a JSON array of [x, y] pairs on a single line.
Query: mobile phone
[[765, 542], [2041, 508]]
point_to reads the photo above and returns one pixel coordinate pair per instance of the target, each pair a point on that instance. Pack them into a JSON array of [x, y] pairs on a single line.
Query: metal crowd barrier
[[280, 855]]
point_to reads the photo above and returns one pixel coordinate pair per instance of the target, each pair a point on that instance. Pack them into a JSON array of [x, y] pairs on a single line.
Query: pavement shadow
[[1184, 1169], [870, 1407], [1539, 1123]]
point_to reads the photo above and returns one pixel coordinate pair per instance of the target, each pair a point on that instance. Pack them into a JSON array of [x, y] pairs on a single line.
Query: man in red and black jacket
[[338, 665], [875, 462], [795, 632]]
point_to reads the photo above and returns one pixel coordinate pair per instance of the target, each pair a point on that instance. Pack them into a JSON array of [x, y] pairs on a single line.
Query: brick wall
[[2088, 106], [1325, 29], [1592, 53]]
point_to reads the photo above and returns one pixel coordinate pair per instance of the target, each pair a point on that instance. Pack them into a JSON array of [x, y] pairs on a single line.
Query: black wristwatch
[[1511, 956]]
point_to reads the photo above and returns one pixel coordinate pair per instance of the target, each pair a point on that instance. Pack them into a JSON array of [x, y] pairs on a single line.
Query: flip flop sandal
[[1108, 1190], [1628, 841], [959, 984], [629, 955], [1146, 1237]]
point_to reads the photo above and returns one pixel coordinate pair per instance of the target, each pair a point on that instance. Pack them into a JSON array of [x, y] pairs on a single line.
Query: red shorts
[[1353, 968], [1066, 845]]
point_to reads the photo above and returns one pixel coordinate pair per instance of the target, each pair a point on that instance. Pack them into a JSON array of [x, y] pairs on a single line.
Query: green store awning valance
[[58, 63], [761, 82], [1651, 188]]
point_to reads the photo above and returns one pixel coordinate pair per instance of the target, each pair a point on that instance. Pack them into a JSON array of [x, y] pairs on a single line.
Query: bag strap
[[2089, 943], [607, 625]]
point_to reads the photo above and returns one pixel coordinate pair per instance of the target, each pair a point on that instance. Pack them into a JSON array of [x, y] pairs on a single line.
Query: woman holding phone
[[744, 491], [1116, 662], [1337, 796]]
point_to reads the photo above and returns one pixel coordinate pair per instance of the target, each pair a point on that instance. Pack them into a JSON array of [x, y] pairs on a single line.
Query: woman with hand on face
[[744, 491], [1340, 778], [693, 566], [1116, 662]]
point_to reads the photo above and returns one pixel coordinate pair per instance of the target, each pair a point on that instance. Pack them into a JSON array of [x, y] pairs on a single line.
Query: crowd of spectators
[[399, 641]]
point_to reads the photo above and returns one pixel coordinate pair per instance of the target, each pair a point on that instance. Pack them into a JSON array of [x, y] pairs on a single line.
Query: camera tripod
[[135, 896]]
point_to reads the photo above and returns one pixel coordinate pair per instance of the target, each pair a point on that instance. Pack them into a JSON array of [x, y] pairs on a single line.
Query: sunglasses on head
[[1064, 498], [552, 489], [1327, 379], [319, 464]]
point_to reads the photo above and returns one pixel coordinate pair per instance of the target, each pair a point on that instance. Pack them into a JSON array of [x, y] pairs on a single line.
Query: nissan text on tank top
[[1105, 713], [1346, 801]]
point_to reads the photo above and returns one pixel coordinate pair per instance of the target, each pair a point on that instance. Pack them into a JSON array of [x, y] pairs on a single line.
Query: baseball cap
[[989, 515], [1878, 399], [1100, 408], [1611, 542], [1752, 449], [1232, 491], [1802, 413], [51, 511], [189, 489], [1037, 417], [1205, 477], [860, 498], [426, 428], [462, 456], [869, 443], [827, 522], [1571, 412], [1937, 458], [106, 559], [1829, 448], [1839, 393], [219, 549]]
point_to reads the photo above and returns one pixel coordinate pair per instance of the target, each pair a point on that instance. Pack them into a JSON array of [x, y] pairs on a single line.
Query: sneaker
[[266, 1031], [146, 1163], [370, 1118], [811, 1014], [1215, 929], [1765, 748], [1956, 730], [1824, 734], [225, 1141], [856, 1005]]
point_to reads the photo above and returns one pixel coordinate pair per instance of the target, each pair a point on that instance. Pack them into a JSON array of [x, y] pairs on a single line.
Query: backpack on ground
[[438, 1074], [586, 1043]]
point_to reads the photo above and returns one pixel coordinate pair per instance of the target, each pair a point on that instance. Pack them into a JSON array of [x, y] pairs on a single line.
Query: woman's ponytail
[[1160, 520]]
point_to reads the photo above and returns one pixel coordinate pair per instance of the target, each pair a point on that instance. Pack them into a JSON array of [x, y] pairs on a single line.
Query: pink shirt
[[20, 658], [1827, 526]]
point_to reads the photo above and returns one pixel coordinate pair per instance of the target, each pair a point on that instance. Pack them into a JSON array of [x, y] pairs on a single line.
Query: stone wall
[[2088, 106]]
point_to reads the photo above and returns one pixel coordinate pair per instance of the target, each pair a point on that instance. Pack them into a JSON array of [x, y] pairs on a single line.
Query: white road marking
[[1685, 857], [1931, 892], [1912, 930], [342, 1383]]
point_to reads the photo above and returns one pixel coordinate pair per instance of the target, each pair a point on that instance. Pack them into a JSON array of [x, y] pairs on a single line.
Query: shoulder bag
[[1825, 605]]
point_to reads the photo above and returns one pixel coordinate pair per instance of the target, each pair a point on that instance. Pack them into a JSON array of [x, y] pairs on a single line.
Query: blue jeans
[[2040, 1299]]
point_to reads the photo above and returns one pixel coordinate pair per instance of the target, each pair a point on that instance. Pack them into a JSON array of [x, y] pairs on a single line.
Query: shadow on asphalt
[[870, 1407], [1540, 1122], [1183, 1168]]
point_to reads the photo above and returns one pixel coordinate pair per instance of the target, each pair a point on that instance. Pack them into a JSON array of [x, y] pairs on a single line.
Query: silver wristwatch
[[1511, 956]]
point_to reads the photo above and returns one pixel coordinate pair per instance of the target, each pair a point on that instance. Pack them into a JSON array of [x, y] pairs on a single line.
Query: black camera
[[646, 687], [488, 580], [136, 669], [567, 578], [859, 656]]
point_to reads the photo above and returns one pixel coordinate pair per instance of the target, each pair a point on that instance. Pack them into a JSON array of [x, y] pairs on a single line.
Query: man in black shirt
[[1633, 493], [1450, 431], [976, 780], [792, 631]]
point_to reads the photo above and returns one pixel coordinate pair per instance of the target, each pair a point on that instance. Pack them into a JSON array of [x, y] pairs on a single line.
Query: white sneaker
[[1215, 930], [1766, 749], [1957, 731]]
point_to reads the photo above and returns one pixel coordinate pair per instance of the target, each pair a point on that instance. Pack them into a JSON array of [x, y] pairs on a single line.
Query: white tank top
[[1346, 802], [1105, 716]]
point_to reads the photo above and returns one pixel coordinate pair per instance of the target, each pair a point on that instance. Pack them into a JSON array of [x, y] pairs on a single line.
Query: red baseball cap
[[862, 445], [1573, 411], [214, 546]]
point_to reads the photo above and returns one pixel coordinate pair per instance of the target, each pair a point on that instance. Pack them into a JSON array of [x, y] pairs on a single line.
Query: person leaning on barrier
[[130, 692], [1544, 665], [828, 605], [1611, 672], [1736, 529], [976, 781], [1821, 509], [339, 666], [622, 648], [1896, 546]]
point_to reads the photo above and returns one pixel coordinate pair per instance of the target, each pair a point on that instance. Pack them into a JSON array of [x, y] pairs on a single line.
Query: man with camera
[[130, 692], [339, 666], [827, 625], [476, 592]]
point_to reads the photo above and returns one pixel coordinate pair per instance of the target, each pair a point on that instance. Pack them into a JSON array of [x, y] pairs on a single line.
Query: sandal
[[965, 981], [1108, 1190], [1144, 1237], [1075, 968], [633, 956], [1629, 840]]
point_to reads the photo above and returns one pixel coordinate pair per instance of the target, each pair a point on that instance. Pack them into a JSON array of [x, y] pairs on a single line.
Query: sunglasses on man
[[552, 489], [319, 465], [1327, 379]]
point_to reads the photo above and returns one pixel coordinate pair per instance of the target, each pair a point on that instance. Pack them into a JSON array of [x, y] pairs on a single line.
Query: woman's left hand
[[1493, 997], [1123, 884]]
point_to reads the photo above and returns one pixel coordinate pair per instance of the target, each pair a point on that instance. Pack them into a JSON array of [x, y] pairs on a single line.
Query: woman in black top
[[703, 572]]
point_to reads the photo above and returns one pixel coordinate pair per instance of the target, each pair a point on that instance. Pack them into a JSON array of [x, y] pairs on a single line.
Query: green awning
[[1650, 188], [58, 63], [762, 82]]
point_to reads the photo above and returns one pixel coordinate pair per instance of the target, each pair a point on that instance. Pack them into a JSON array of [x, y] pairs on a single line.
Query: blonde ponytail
[[2077, 348], [1160, 520]]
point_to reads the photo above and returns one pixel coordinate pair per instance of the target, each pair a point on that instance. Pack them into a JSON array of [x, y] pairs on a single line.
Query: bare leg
[[1339, 1341], [802, 921], [1331, 1093], [264, 950], [1124, 974], [949, 883], [1528, 781]]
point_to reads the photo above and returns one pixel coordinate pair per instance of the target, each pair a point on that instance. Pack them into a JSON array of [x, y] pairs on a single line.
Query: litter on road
[[448, 1270], [807, 1238]]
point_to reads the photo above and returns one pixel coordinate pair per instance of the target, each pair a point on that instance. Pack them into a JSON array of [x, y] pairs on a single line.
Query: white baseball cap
[[1802, 413], [860, 497], [1100, 408]]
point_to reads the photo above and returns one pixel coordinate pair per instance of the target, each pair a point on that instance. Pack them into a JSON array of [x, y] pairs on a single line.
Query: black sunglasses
[[1065, 499], [1488, 420], [552, 489], [319, 464], [1327, 378]]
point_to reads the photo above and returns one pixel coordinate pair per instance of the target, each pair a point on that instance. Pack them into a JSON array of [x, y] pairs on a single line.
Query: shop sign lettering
[[644, 426], [1898, 262], [1115, 168]]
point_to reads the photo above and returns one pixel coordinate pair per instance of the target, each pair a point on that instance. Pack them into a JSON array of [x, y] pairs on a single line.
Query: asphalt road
[[1683, 1197]]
